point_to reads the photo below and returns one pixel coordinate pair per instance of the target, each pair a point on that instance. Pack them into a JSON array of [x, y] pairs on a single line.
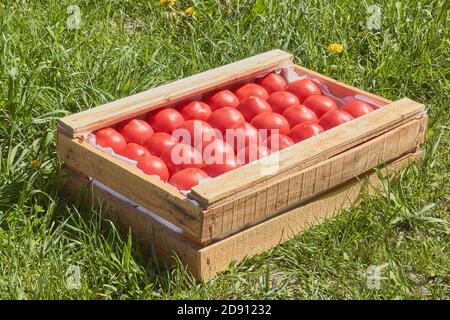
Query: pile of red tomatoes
[[202, 139]]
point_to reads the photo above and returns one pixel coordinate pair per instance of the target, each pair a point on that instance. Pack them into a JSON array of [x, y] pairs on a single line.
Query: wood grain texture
[[148, 191], [235, 183], [301, 185], [205, 262], [116, 111]]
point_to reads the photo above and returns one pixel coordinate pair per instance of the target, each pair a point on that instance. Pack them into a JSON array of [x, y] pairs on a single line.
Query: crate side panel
[[314, 180], [266, 235]]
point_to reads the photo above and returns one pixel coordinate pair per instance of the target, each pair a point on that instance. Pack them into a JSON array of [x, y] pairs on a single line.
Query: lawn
[[51, 66]]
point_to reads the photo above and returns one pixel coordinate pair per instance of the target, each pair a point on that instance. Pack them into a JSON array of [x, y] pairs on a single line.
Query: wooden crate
[[231, 205]]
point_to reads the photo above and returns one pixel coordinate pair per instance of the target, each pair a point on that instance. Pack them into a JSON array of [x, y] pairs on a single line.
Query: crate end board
[[206, 262], [150, 232], [111, 113]]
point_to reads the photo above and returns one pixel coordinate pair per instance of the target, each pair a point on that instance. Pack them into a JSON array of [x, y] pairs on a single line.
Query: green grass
[[124, 47]]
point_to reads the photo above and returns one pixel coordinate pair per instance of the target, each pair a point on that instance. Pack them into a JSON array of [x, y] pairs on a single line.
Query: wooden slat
[[206, 262], [243, 180], [148, 191], [219, 221], [111, 113]]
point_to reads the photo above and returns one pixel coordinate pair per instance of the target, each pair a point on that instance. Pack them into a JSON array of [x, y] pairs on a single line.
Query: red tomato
[[277, 142], [182, 156], [110, 138], [273, 122], [272, 82], [216, 169], [196, 110], [243, 135], [151, 113], [251, 89], [133, 151], [135, 130], [218, 158], [282, 100], [166, 120], [334, 118], [225, 118], [252, 153], [304, 131], [216, 151], [295, 115], [252, 106], [160, 142], [194, 132], [153, 166], [303, 89], [221, 99], [320, 104], [357, 108], [187, 178]]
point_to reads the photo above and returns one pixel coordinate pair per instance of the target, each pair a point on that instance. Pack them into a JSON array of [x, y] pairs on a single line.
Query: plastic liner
[[291, 75], [141, 209], [90, 137]]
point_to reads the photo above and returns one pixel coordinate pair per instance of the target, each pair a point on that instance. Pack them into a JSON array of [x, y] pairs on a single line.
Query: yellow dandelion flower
[[335, 47], [167, 3], [190, 11], [35, 164]]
